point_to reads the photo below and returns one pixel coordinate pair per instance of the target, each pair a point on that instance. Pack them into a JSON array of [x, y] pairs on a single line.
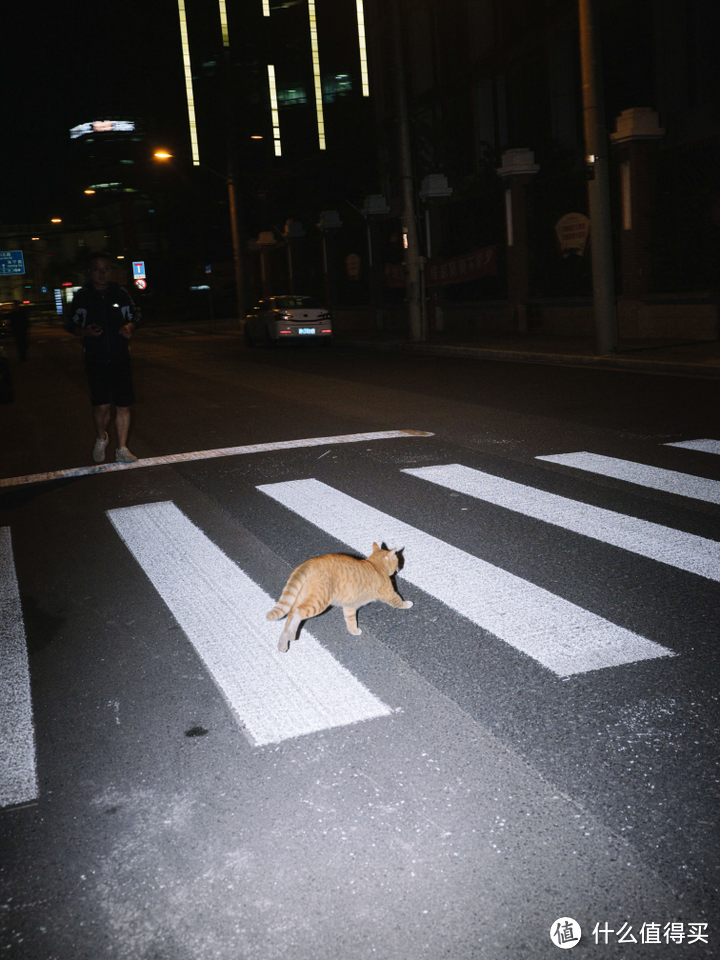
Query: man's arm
[[130, 310], [74, 316]]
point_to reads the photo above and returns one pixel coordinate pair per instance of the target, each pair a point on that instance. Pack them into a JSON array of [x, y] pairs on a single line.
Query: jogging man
[[104, 315]]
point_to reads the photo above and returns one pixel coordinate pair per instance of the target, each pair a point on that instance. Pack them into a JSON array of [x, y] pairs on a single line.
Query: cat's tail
[[288, 597]]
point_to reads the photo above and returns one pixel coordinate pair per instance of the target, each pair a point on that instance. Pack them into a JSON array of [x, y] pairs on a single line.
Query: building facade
[[489, 78]]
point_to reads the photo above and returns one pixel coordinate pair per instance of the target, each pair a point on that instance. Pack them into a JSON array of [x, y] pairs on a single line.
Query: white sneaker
[[123, 455], [99, 449]]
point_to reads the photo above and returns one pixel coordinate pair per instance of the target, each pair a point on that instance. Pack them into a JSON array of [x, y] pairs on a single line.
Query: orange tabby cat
[[338, 581]]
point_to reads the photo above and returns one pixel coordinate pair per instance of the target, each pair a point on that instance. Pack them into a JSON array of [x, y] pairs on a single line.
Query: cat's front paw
[[283, 645], [407, 604], [356, 632]]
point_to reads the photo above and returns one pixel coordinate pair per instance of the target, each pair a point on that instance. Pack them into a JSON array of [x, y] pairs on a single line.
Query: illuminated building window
[[266, 8], [274, 110], [223, 23], [363, 49], [339, 85], [292, 94], [316, 74], [188, 83]]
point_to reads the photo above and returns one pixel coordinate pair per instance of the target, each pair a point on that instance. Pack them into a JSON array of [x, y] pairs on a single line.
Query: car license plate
[[306, 329]]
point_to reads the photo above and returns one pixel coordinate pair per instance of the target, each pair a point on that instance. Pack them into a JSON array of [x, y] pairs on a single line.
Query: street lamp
[[229, 181]]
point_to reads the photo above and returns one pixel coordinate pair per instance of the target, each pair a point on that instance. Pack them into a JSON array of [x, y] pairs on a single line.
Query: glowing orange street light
[[56, 220], [89, 191], [162, 155]]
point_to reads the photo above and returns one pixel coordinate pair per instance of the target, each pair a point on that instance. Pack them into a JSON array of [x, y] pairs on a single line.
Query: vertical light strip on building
[[266, 8], [188, 83], [316, 74], [224, 23], [363, 49], [274, 110]]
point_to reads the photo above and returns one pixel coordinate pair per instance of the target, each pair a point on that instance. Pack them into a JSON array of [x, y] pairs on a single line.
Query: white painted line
[[556, 633], [682, 550], [670, 481], [18, 776], [274, 695], [210, 454], [706, 446]]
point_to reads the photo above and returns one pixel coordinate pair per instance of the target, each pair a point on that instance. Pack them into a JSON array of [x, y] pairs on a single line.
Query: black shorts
[[110, 383]]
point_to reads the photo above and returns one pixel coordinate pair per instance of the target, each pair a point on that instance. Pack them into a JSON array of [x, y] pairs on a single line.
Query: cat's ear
[[375, 548], [392, 552]]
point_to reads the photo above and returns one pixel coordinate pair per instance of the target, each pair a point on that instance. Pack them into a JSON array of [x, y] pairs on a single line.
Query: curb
[[607, 362]]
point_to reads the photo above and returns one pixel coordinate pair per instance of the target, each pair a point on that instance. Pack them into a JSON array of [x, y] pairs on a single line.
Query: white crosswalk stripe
[[556, 633], [18, 776], [671, 481], [274, 695], [683, 550], [706, 446]]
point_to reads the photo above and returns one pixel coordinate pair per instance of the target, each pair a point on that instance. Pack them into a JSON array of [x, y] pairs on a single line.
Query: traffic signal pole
[[597, 160], [232, 178], [412, 259]]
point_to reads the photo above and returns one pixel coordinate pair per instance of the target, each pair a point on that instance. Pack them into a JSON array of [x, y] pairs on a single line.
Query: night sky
[[64, 64]]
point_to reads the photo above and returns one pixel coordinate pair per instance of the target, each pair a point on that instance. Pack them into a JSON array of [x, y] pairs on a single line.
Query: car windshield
[[296, 303]]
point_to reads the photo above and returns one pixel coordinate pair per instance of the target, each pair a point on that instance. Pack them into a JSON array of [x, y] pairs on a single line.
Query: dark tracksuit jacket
[[110, 309]]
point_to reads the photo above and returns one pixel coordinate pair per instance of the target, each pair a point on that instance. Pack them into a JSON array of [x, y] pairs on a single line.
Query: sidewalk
[[665, 356]]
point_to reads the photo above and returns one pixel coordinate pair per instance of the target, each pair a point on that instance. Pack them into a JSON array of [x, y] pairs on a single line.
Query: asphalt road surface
[[535, 740]]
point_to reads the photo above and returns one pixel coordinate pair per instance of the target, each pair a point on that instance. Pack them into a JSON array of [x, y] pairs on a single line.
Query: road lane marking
[[210, 454], [18, 775], [683, 484], [556, 633], [706, 446], [274, 695], [674, 547]]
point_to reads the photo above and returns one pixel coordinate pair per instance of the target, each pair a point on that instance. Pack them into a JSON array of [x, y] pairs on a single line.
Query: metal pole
[[290, 268], [235, 242], [412, 252], [325, 271], [231, 175], [596, 156]]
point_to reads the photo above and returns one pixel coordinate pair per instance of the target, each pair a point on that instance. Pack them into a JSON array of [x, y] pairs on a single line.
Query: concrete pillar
[[636, 135], [517, 170]]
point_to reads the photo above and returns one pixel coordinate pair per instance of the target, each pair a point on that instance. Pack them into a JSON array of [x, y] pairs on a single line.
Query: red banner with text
[[440, 272]]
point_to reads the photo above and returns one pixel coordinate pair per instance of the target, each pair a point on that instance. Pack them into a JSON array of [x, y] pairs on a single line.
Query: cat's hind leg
[[351, 621], [290, 632]]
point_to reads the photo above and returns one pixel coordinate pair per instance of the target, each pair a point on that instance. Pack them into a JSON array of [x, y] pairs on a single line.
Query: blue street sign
[[43, 289], [139, 270], [11, 261]]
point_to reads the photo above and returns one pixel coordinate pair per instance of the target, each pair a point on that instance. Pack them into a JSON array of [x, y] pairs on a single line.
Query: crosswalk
[[18, 777], [674, 547], [277, 696], [654, 478], [706, 446], [556, 633]]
